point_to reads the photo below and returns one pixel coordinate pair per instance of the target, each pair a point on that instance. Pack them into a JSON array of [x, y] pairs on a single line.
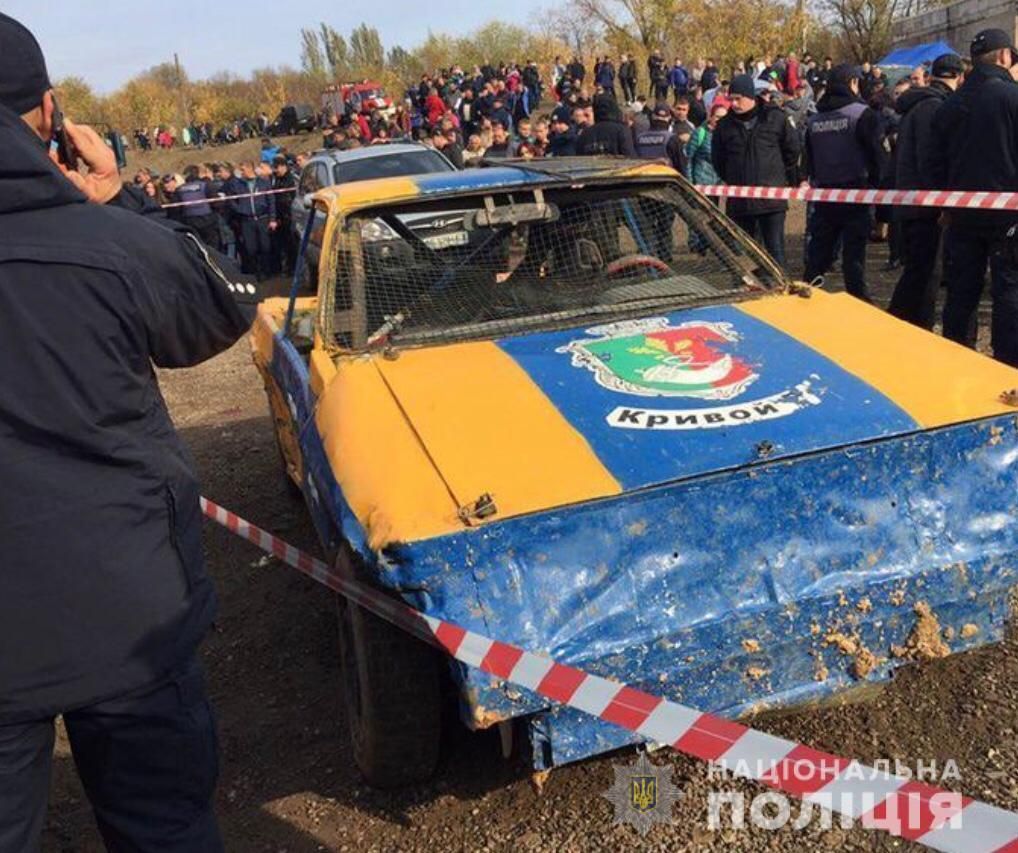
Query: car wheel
[[392, 697], [292, 487], [286, 443]]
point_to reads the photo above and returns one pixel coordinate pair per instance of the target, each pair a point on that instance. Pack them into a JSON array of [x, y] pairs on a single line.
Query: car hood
[[545, 420]]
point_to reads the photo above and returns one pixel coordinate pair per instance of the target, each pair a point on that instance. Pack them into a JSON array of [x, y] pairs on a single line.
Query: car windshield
[[487, 266], [390, 165]]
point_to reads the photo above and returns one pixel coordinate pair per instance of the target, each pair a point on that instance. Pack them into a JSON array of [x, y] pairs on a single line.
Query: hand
[[273, 225], [102, 181]]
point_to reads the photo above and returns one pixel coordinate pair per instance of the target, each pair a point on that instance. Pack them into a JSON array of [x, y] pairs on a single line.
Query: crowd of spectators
[[241, 209], [774, 121]]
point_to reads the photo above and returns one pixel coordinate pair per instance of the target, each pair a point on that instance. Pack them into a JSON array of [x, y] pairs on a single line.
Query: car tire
[[293, 489], [280, 414], [392, 697]]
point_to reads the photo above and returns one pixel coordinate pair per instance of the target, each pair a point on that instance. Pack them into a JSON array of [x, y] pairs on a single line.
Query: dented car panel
[[826, 495], [756, 588]]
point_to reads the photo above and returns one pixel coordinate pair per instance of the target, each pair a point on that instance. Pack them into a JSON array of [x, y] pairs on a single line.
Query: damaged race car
[[570, 406]]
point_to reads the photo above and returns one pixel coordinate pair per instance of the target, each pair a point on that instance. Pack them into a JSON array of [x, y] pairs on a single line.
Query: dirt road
[[288, 783]]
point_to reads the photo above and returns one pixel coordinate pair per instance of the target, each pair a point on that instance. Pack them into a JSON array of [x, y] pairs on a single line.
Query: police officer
[[255, 216], [978, 150], [607, 135], [652, 143], [197, 212], [915, 295], [844, 148], [104, 596]]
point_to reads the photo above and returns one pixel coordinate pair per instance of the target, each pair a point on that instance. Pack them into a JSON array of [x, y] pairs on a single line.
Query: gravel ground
[[288, 782]]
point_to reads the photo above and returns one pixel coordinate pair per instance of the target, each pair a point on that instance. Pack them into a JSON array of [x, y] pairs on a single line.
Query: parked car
[[396, 159], [293, 119], [676, 469]]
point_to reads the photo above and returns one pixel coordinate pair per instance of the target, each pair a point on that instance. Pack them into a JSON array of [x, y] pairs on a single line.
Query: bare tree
[[865, 26], [647, 22], [571, 26]]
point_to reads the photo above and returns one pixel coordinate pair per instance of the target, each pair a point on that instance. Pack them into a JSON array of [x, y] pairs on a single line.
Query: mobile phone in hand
[[67, 154]]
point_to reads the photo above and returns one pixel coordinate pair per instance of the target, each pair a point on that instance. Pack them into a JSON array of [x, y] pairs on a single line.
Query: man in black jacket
[[285, 248], [756, 145], [607, 135], [627, 78], [977, 149], [915, 295], [658, 73], [104, 596], [254, 212], [844, 148], [576, 70], [562, 141]]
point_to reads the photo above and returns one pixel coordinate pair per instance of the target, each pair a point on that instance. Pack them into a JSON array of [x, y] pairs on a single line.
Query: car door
[[314, 177]]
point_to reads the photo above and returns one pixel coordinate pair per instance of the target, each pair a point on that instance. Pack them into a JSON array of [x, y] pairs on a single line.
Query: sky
[[109, 41]]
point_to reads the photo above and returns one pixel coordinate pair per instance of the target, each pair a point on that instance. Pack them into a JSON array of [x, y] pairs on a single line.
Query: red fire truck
[[362, 97]]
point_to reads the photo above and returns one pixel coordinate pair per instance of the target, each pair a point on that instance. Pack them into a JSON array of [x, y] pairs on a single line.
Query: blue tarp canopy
[[917, 54]]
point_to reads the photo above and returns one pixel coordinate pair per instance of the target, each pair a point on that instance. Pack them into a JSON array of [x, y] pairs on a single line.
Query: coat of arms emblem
[[651, 358]]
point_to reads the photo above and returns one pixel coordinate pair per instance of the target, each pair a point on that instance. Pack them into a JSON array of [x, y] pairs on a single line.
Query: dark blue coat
[[975, 134], [103, 587], [259, 206]]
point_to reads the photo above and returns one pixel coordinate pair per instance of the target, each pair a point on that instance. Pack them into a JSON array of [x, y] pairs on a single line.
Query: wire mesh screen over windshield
[[488, 266]]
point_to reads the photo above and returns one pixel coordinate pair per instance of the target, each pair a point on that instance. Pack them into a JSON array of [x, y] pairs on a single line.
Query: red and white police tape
[[218, 198], [935, 817], [967, 199]]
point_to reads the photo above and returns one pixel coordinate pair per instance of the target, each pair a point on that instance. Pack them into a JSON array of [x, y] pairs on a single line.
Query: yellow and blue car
[[568, 405]]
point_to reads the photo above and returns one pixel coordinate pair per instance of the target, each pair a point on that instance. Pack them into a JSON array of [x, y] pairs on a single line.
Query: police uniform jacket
[[103, 588]]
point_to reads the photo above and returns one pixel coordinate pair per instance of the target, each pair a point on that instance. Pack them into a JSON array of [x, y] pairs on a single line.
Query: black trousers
[[148, 763], [628, 90], [284, 247], [255, 246], [769, 229], [851, 223], [915, 295], [968, 251], [661, 92]]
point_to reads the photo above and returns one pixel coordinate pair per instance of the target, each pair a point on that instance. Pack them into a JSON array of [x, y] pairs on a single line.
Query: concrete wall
[[957, 23]]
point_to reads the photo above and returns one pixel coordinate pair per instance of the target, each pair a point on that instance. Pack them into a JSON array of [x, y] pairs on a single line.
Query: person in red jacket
[[434, 106], [791, 73]]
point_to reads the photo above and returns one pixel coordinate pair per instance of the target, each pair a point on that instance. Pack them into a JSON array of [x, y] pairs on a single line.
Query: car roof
[[367, 152], [343, 198]]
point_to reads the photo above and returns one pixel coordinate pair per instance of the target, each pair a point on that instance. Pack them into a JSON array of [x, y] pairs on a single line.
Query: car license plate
[[444, 241]]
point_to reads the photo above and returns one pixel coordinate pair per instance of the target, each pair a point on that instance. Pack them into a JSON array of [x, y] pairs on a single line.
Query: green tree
[[336, 52], [367, 56], [312, 59], [404, 64], [78, 101]]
